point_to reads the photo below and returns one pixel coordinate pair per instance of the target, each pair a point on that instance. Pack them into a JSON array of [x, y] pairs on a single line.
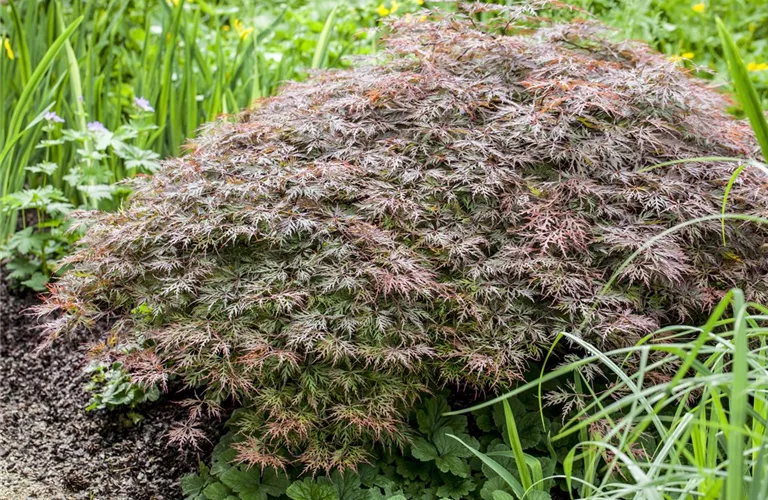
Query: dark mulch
[[51, 448]]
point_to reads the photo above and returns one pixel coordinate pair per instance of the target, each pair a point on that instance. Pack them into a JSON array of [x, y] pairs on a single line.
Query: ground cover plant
[[434, 465], [431, 220]]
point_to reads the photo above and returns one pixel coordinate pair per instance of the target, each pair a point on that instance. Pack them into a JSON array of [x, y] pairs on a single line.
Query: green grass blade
[[24, 61], [734, 486], [513, 483], [73, 72], [746, 92], [517, 448], [321, 51], [728, 188]]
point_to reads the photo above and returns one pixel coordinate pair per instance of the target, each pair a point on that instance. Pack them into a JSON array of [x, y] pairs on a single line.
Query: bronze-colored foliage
[[432, 219]]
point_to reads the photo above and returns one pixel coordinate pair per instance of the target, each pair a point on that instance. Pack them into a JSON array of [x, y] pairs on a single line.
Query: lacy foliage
[[435, 218]]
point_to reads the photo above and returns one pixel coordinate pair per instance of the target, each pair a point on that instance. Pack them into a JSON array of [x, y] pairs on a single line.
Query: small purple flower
[[143, 104], [96, 127], [52, 117]]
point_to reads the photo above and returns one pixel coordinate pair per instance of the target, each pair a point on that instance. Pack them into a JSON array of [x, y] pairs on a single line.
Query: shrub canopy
[[432, 219]]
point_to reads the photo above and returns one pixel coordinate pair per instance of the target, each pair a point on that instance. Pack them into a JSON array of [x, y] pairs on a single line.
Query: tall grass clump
[[681, 415], [433, 219]]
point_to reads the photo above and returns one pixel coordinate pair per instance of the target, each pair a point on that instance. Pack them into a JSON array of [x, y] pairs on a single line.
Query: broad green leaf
[[217, 491], [248, 484], [310, 489], [192, 485], [423, 450], [502, 495]]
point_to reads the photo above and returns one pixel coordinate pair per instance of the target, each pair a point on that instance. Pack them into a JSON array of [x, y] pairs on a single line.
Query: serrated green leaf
[[457, 489], [533, 495], [192, 485], [348, 486], [529, 427], [503, 495], [430, 417], [217, 491], [248, 484], [37, 282], [423, 450], [447, 446], [411, 469], [309, 489], [223, 455], [97, 192], [454, 465], [491, 485], [46, 167]]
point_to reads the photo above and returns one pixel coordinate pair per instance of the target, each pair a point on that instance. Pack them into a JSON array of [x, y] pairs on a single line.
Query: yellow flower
[[420, 2], [242, 30], [699, 8], [753, 66], [382, 11], [423, 18], [395, 6], [688, 55], [8, 49], [675, 59], [225, 27]]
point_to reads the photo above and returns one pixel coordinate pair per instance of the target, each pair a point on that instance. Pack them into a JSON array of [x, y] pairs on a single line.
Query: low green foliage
[[679, 418], [112, 388], [433, 466]]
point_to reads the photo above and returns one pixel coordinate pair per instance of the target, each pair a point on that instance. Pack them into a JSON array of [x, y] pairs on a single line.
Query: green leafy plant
[[433, 466], [32, 254], [111, 388]]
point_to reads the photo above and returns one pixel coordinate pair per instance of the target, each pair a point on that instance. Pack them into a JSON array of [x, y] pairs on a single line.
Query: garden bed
[[51, 448]]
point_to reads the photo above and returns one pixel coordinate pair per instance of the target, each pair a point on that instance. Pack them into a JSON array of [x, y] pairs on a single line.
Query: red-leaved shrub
[[432, 219]]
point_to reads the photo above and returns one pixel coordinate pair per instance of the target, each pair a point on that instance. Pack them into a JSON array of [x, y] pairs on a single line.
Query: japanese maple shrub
[[432, 218]]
